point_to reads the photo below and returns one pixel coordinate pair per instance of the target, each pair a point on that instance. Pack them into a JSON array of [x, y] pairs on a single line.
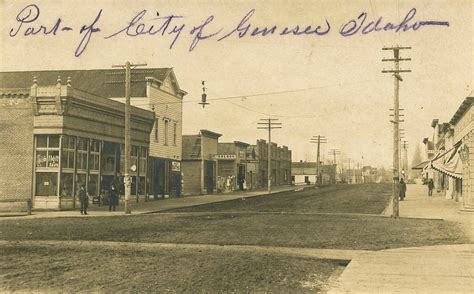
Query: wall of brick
[[16, 149]]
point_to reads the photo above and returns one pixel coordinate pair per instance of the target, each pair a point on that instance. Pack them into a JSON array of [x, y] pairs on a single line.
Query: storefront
[[463, 124], [64, 163], [79, 141]]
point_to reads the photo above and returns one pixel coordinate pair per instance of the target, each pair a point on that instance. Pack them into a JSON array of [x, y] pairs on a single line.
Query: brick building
[[280, 164], [65, 138], [152, 89]]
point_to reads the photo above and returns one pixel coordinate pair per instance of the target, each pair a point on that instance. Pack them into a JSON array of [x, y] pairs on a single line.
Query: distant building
[[450, 154], [305, 172], [459, 164], [232, 166], [280, 164], [199, 163]]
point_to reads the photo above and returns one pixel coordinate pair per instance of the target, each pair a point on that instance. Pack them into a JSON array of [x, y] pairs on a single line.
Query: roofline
[[241, 143], [465, 105], [210, 134]]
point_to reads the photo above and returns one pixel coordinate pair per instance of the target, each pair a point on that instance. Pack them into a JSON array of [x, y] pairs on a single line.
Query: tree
[[416, 160]]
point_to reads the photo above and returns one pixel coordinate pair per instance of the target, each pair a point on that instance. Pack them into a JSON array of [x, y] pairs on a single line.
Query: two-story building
[[156, 166], [57, 137], [280, 164]]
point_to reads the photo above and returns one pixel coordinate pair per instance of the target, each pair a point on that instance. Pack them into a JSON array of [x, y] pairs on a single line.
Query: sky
[[326, 84]]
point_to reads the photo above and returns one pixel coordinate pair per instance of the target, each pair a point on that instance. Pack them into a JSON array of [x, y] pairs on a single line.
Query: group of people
[[403, 188], [83, 196]]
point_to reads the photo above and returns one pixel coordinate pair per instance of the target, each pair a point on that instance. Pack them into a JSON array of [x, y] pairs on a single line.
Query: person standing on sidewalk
[[84, 199], [430, 187], [113, 198], [402, 189]]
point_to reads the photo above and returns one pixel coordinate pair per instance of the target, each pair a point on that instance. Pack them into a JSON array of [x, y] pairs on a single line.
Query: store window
[[67, 180], [108, 158], [94, 162], [82, 146], [47, 151], [142, 160], [46, 184], [68, 158]]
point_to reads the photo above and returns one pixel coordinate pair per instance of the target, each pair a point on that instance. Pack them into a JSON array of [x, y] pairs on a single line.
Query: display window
[[46, 184], [67, 180], [47, 151]]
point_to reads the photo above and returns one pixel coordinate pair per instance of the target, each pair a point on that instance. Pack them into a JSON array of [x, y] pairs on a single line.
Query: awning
[[421, 165], [448, 163]]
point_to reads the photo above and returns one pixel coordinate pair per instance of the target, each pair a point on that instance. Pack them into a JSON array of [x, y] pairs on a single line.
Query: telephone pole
[[349, 170], [318, 140], [404, 157], [396, 119], [269, 124], [335, 152], [127, 181]]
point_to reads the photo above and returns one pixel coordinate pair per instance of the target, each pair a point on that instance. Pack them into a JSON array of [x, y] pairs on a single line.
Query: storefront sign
[[224, 156], [175, 166]]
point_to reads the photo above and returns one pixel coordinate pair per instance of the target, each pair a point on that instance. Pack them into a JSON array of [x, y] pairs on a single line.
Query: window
[[94, 155], [66, 184], [46, 184], [166, 132], [82, 146], [47, 151], [156, 129], [142, 161], [67, 157], [175, 130]]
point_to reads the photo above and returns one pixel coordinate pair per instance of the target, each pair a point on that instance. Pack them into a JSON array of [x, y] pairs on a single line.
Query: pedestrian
[[403, 189], [430, 187], [84, 199], [113, 198]]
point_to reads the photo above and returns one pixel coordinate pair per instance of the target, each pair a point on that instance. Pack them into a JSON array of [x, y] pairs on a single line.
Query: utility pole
[[318, 140], [127, 181], [404, 157], [349, 171], [401, 136], [396, 119], [335, 152], [269, 124]]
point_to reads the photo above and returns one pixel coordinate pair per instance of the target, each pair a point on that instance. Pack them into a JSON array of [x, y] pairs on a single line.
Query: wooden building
[[199, 165]]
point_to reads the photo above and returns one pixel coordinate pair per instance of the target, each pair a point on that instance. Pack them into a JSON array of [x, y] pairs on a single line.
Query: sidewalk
[[429, 269], [417, 204], [152, 206]]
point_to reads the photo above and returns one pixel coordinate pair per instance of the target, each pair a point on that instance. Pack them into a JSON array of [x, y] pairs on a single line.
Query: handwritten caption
[[145, 23]]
